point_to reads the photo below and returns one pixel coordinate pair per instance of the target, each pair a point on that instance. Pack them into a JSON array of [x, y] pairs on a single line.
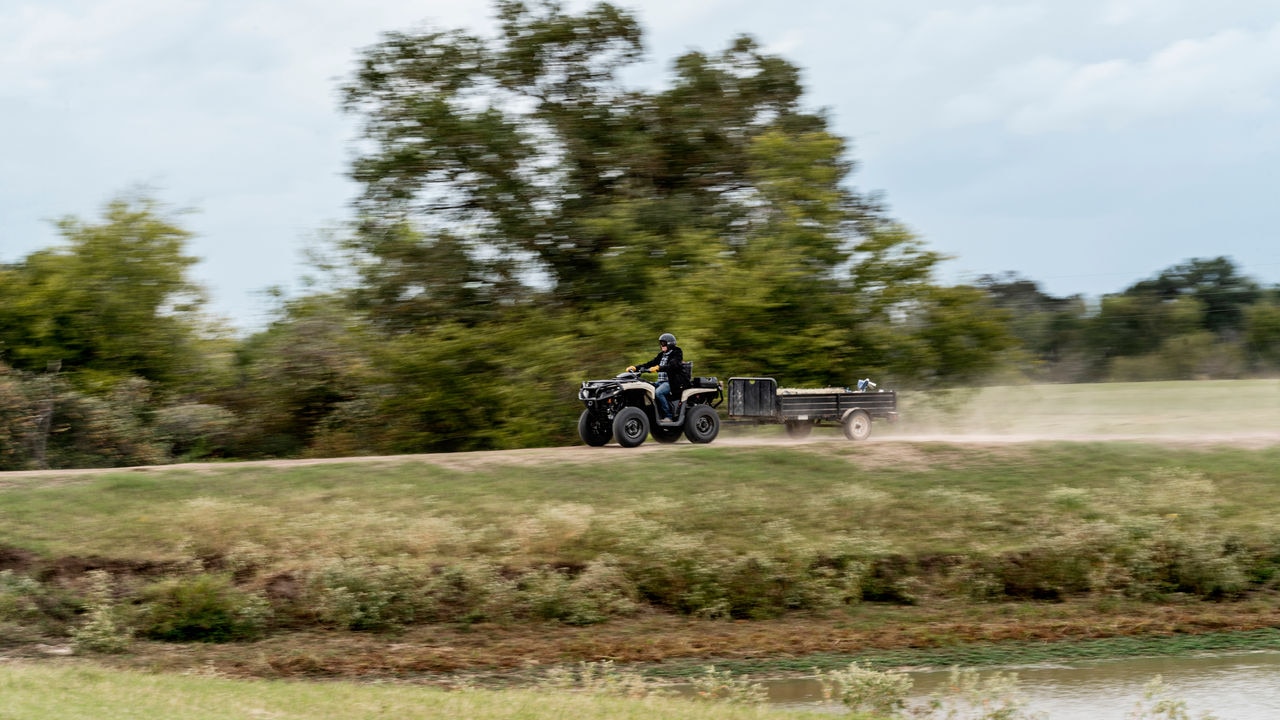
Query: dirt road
[[881, 447]]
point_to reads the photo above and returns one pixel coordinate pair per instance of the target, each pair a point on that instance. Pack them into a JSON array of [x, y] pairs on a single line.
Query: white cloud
[[40, 43], [1232, 71], [1122, 12]]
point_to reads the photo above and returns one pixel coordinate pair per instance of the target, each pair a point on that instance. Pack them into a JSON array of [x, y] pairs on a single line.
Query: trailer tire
[[631, 427], [702, 425], [857, 425], [798, 429], [596, 433]]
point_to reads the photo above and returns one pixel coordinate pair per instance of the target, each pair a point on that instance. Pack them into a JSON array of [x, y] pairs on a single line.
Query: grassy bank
[[919, 498], [77, 692], [484, 560], [717, 533]]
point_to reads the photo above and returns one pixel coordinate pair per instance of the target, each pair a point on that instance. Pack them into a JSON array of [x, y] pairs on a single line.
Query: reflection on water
[[1236, 687]]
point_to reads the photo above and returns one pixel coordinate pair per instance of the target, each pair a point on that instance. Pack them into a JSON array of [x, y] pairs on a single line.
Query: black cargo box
[[753, 397]]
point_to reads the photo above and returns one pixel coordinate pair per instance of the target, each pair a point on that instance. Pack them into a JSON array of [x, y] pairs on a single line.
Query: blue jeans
[[663, 396]]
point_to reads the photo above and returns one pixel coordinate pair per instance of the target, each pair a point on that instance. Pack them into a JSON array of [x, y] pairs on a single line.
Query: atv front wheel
[[594, 431], [631, 427]]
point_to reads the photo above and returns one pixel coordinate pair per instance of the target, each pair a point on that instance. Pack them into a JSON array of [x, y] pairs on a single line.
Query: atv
[[624, 407]]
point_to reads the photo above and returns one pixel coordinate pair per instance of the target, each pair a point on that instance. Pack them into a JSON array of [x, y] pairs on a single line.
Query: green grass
[[924, 498], [81, 692], [1002, 654], [713, 531]]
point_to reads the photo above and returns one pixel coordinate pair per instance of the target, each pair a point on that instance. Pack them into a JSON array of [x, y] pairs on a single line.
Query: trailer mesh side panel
[[753, 397]]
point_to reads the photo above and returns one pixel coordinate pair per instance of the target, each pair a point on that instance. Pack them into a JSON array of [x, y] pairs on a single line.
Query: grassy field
[[899, 497], [1212, 408], [82, 692], [750, 548]]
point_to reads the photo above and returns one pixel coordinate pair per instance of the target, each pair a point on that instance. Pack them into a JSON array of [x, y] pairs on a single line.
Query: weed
[[601, 678], [104, 631], [969, 696], [864, 690], [1157, 705], [725, 687]]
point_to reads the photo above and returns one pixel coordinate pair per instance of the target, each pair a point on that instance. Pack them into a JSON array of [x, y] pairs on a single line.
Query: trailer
[[759, 400]]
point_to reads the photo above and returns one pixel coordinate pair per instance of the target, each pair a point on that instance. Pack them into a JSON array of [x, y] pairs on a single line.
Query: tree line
[[528, 221]]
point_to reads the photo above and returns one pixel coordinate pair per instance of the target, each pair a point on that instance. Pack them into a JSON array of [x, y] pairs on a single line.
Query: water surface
[[1231, 687]]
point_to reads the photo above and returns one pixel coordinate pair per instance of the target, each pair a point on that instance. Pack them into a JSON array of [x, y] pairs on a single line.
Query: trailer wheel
[[594, 431], [857, 425], [631, 427], [798, 429], [702, 425]]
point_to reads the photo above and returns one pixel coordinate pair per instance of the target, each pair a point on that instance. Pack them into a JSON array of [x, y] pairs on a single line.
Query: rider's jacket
[[670, 368]]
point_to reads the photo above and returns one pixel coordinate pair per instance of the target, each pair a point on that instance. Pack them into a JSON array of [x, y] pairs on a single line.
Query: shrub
[[195, 430], [30, 609], [363, 597], [1060, 564], [606, 587], [674, 570], [19, 598], [469, 593], [602, 590], [205, 608], [1199, 563], [18, 416], [91, 432]]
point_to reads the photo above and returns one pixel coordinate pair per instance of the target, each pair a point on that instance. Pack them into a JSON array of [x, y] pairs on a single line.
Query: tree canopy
[[113, 301], [524, 171]]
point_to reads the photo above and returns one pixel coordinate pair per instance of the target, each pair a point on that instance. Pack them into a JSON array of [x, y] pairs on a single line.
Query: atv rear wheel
[[702, 425], [631, 427], [594, 431]]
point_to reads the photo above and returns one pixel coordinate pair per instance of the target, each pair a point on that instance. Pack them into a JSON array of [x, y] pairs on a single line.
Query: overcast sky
[[1084, 144]]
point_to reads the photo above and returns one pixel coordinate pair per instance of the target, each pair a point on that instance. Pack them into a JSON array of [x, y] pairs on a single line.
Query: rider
[[669, 364]]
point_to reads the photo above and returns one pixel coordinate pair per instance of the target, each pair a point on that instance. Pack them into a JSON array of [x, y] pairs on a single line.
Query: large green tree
[[532, 149], [1215, 283], [523, 172], [114, 300]]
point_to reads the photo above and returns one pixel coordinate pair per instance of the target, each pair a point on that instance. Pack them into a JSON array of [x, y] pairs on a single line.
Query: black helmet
[[666, 339]]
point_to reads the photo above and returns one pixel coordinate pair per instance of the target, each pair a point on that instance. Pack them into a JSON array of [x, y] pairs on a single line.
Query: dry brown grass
[[440, 653]]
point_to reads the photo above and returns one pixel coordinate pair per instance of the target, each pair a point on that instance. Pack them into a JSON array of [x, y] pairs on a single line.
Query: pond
[[1231, 687]]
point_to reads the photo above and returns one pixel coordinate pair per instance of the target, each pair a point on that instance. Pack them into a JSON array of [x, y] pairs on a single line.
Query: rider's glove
[[631, 368], [653, 369]]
